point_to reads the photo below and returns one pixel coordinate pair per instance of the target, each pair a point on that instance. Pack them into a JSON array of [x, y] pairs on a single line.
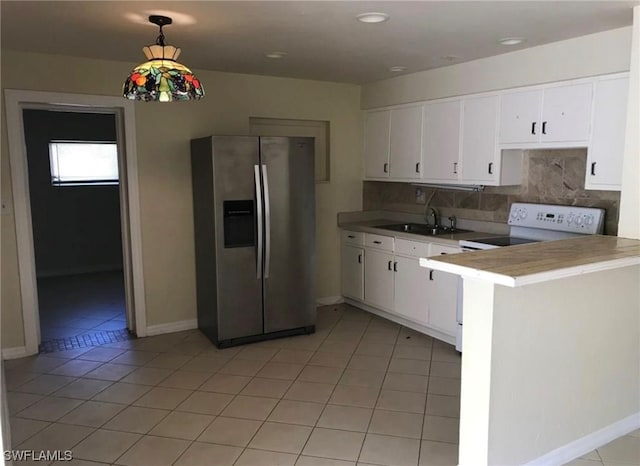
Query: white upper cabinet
[[544, 117], [405, 153], [566, 113], [480, 156], [520, 117], [441, 141], [376, 144], [606, 148]]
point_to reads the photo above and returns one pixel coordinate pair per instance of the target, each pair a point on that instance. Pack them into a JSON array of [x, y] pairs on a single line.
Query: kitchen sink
[[422, 229]]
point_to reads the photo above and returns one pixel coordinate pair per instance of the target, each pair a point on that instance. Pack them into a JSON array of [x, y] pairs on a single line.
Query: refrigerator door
[[289, 197], [237, 193]]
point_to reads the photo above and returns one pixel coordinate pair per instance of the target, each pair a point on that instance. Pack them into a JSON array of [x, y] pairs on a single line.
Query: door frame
[[123, 110]]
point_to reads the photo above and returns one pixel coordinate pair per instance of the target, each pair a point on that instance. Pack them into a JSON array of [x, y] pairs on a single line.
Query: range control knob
[[578, 220], [523, 214], [514, 215], [570, 218], [589, 220]]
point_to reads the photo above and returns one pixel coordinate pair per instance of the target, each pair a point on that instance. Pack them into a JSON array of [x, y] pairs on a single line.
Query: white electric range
[[530, 223]]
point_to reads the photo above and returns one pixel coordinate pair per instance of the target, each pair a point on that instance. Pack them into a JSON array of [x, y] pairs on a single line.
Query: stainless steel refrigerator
[[254, 219]]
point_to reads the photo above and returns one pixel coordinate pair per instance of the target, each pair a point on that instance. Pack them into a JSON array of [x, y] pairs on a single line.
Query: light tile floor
[[361, 390]]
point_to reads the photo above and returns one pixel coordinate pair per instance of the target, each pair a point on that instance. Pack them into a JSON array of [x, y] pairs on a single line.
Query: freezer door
[[238, 263], [289, 191]]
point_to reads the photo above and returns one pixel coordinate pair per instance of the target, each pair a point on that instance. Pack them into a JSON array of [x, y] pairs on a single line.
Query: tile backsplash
[[549, 177]]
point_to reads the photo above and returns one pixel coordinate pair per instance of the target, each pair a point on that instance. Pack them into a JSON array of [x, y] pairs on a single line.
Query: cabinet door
[[376, 144], [520, 117], [378, 279], [410, 289], [353, 272], [479, 128], [441, 143], [405, 153], [606, 150], [442, 292], [566, 113]]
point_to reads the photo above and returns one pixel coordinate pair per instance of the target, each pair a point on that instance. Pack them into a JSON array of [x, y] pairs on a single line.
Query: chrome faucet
[[433, 213], [452, 219]]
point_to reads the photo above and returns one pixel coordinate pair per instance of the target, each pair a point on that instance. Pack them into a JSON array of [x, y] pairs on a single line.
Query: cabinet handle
[[431, 275], [490, 168], [593, 169], [389, 265], [544, 127], [386, 168], [377, 242], [395, 266], [418, 167], [350, 236], [359, 258], [455, 167], [533, 128]]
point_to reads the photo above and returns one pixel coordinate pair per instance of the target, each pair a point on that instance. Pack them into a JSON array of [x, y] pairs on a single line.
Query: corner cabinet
[[352, 261], [376, 144], [393, 143], [606, 147]]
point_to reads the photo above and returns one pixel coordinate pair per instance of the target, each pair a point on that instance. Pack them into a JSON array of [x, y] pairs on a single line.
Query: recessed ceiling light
[[372, 17], [396, 69], [275, 54], [512, 40]]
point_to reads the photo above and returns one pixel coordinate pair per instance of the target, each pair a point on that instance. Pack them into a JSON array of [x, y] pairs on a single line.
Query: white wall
[[163, 132], [594, 54], [558, 360], [629, 226]]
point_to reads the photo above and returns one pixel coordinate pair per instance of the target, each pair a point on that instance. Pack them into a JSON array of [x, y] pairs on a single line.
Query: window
[[81, 163]]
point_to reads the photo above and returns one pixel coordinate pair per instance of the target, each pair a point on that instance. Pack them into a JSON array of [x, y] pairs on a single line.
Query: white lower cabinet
[[395, 283], [410, 288], [442, 289], [378, 279], [353, 272]]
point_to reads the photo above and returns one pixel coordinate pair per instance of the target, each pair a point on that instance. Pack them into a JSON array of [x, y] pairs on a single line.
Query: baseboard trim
[[172, 327], [15, 352], [589, 442], [329, 300]]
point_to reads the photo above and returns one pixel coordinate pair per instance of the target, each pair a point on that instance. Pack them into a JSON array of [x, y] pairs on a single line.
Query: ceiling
[[322, 39]]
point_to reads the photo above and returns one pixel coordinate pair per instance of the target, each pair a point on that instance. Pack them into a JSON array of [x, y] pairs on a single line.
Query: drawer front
[[411, 248], [353, 237], [437, 249], [378, 241]]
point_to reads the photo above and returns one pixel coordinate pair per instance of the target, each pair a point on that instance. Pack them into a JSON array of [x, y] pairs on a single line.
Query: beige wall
[[630, 200], [163, 134], [594, 54], [540, 371]]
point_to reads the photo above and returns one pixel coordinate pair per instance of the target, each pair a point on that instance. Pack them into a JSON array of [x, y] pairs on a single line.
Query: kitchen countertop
[[539, 262], [451, 239]]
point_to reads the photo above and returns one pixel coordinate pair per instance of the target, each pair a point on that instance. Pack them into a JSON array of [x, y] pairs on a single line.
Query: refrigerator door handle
[[267, 222], [256, 174]]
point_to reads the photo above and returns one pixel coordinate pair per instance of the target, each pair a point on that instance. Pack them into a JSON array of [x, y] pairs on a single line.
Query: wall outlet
[[421, 196]]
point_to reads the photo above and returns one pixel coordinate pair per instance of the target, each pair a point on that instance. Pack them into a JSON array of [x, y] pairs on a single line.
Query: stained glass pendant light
[[162, 78]]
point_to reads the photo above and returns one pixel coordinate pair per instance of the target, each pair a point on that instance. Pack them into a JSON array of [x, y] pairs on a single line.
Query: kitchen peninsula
[[551, 348]]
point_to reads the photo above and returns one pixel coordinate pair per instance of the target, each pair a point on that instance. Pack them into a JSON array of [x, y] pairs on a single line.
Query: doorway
[[73, 170], [128, 274]]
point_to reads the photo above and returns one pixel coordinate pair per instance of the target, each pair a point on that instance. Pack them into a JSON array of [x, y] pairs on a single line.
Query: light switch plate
[[421, 196]]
